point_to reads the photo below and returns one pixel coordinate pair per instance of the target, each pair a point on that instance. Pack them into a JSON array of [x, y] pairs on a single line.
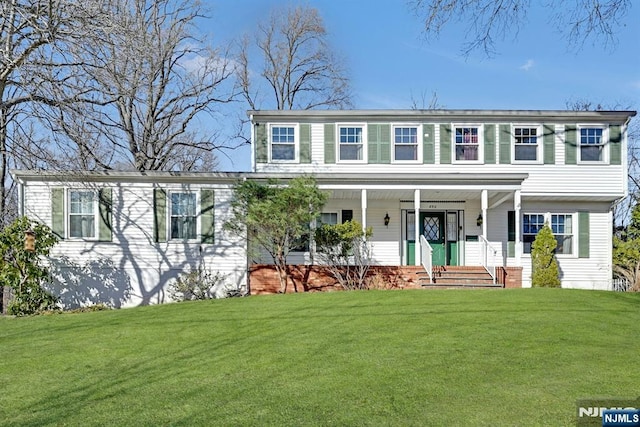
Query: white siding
[[132, 269]]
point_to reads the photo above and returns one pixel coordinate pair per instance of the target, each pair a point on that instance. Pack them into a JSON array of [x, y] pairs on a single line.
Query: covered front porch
[[433, 221]]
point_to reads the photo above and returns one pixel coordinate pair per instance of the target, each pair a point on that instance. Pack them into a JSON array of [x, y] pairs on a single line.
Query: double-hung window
[[405, 141], [283, 143], [467, 142], [591, 144], [562, 228], [531, 224], [83, 207], [183, 224], [351, 143], [526, 143]]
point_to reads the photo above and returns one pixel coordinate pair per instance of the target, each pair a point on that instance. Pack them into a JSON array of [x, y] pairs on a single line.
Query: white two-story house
[[441, 189]]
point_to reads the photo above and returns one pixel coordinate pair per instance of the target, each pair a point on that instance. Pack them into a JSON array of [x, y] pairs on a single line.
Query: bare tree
[[489, 20], [300, 71], [150, 85], [421, 104], [30, 35]]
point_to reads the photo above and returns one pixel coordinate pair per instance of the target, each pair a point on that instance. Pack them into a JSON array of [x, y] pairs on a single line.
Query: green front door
[[432, 228]]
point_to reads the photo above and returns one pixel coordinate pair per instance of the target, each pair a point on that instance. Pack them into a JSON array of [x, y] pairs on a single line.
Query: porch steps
[[458, 277]]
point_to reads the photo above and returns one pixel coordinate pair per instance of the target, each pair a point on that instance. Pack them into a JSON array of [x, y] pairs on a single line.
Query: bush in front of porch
[[544, 266]]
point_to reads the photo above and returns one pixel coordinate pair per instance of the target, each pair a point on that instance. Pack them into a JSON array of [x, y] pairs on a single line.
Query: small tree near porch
[[346, 251], [543, 260], [276, 218]]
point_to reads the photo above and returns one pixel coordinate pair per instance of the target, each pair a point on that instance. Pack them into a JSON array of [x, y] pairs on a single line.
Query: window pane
[[466, 152], [407, 152], [82, 226], [350, 135], [591, 153], [183, 216], [81, 202], [283, 152], [466, 139], [526, 152], [351, 152], [329, 218]]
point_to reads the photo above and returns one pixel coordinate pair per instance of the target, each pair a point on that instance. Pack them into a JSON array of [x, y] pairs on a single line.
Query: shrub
[[543, 261], [346, 251], [197, 284], [24, 271]]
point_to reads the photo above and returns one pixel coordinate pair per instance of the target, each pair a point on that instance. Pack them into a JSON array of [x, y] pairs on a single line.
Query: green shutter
[[261, 143], [615, 143], [570, 145], [57, 212], [384, 143], [505, 144], [583, 235], [207, 216], [329, 143], [489, 143], [159, 215], [445, 144], [379, 143], [549, 144], [511, 234], [373, 143], [428, 144], [105, 208], [305, 143]]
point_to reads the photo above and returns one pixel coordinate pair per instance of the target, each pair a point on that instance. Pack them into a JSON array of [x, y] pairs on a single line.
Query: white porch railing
[[425, 257], [489, 257]]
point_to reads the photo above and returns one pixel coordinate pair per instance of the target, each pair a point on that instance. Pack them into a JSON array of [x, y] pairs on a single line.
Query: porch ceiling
[[406, 194]]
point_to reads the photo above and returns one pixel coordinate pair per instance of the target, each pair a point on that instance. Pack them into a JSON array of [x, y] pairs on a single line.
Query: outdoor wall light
[[479, 220], [386, 219]]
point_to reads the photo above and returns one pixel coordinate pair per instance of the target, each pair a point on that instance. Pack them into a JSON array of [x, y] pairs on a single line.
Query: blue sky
[[389, 60]]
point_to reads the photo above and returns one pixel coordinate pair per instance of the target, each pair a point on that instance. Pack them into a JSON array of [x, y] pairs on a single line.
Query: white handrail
[[488, 257], [425, 257]]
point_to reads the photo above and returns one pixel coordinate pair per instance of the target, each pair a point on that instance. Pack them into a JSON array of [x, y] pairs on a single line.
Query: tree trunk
[[281, 266]]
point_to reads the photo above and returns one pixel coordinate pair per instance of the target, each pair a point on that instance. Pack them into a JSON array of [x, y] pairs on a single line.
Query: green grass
[[512, 357]]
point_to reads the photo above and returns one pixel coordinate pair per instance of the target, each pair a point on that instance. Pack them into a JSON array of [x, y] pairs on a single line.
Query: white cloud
[[527, 65]]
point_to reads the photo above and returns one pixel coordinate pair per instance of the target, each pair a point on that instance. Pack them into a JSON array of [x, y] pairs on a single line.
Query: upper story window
[[183, 223], [83, 207], [527, 143], [405, 140], [591, 144], [283, 143], [350, 143], [467, 143]]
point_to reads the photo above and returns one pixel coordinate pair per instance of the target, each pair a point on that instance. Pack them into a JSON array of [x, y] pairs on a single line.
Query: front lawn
[[472, 357]]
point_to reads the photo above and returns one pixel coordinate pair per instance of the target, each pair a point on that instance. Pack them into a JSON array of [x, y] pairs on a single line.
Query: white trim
[[546, 218], [480, 127], [539, 143], [365, 152], [605, 144], [296, 142], [67, 213], [419, 144], [197, 215]]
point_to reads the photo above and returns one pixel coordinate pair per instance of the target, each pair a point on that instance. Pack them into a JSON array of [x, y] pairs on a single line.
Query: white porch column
[[484, 205], [517, 201], [416, 208], [363, 197]]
